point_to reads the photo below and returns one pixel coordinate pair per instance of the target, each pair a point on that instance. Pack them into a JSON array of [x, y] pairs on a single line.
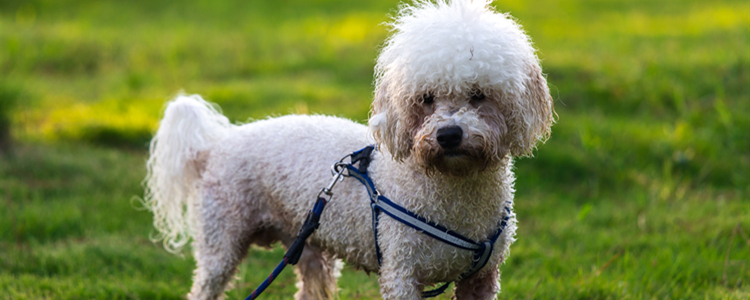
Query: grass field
[[642, 192]]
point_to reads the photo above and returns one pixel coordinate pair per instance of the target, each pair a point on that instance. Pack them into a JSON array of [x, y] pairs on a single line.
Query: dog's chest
[[430, 259], [474, 214], [473, 209]]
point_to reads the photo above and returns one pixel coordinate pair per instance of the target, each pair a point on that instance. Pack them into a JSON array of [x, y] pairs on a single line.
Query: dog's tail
[[189, 130]]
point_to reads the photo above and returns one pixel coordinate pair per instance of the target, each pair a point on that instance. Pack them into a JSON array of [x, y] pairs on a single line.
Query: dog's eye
[[477, 95], [428, 98]]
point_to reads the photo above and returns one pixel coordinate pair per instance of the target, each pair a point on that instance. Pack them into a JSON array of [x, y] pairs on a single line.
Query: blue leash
[[312, 222], [295, 251], [379, 203]]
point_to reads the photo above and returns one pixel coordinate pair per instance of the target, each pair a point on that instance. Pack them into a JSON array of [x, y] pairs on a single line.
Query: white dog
[[459, 92]]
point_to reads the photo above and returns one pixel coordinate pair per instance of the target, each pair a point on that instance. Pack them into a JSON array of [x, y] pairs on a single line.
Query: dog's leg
[[316, 271], [397, 278], [221, 242], [480, 286]]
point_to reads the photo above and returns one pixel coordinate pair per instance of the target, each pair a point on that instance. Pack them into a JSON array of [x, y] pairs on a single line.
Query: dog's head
[[458, 87]]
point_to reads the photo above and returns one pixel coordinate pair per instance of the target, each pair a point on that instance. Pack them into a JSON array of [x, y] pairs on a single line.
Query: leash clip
[[337, 170], [339, 166]]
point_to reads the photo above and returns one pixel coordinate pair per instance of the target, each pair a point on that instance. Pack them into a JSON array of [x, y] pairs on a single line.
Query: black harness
[[379, 203]]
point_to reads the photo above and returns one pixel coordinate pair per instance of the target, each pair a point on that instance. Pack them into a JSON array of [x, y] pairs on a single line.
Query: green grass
[[636, 195]]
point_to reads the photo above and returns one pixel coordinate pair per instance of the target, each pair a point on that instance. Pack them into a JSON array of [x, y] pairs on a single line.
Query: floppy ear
[[534, 114], [392, 120]]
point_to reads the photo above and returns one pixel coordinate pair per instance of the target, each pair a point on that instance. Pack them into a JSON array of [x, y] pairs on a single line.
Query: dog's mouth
[[453, 153], [456, 162]]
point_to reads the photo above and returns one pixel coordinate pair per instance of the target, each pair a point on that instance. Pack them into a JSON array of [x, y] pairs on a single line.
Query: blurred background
[[642, 192]]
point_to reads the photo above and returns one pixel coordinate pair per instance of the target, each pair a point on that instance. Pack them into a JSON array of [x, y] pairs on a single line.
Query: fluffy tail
[[190, 128]]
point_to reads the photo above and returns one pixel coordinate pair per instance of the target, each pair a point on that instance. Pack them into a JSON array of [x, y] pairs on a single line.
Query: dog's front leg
[[481, 286], [397, 278]]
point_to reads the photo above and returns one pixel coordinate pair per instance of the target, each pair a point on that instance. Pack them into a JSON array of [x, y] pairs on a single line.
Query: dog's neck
[[473, 191], [455, 202]]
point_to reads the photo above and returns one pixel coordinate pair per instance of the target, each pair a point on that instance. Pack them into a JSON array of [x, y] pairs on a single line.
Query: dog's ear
[[392, 120], [533, 116]]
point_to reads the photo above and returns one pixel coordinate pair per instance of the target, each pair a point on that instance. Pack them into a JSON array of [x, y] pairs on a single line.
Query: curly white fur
[[190, 127], [455, 45], [450, 64]]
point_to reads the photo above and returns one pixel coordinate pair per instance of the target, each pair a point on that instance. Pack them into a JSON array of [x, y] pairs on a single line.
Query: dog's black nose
[[449, 137]]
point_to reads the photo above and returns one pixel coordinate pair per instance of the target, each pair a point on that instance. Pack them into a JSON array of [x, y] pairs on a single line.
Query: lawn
[[642, 191]]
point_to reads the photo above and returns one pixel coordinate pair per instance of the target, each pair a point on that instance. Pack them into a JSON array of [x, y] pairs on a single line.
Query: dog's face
[[457, 133], [462, 132], [457, 92]]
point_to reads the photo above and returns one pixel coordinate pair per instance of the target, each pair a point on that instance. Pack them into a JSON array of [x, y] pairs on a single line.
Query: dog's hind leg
[[316, 271], [222, 238]]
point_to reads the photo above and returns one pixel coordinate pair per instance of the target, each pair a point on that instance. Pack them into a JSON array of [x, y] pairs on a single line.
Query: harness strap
[[375, 221], [363, 157], [379, 203]]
